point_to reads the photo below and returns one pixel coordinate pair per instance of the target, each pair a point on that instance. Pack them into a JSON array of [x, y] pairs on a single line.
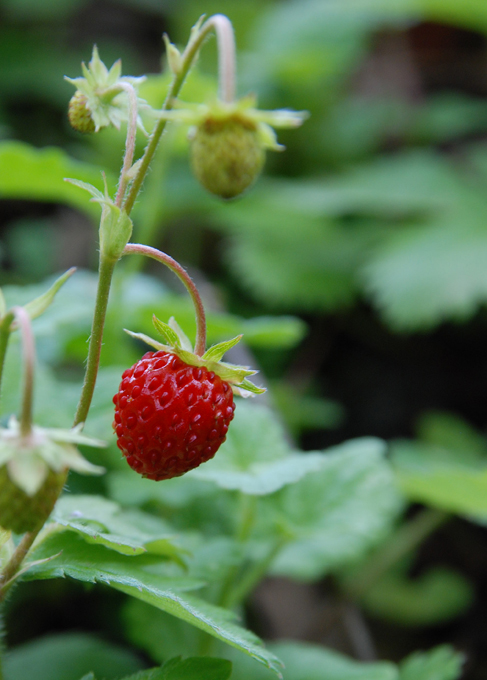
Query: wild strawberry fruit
[[173, 408], [227, 154], [170, 417], [20, 512], [33, 470], [79, 115]]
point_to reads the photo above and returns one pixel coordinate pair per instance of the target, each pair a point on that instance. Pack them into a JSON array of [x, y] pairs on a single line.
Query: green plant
[[261, 506]]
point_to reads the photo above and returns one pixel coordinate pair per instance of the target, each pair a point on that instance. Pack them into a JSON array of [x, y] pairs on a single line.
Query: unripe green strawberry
[[79, 115], [227, 154], [20, 512]]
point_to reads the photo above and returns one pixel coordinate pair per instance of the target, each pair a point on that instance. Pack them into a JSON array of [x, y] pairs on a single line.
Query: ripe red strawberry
[[173, 408], [170, 417]]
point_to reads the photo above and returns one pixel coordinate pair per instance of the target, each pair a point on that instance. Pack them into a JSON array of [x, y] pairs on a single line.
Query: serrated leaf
[[334, 515], [306, 661], [146, 578], [169, 334], [216, 352], [103, 522], [69, 656], [92, 563], [256, 458], [440, 663]]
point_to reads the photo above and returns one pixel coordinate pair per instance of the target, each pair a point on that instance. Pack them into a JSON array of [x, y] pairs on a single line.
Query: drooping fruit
[[21, 512], [170, 416], [227, 154]]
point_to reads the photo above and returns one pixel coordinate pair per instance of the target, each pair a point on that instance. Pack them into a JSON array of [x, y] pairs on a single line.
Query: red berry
[[169, 416]]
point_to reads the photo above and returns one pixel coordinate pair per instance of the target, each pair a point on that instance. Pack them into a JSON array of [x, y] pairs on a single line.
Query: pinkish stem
[[187, 281]]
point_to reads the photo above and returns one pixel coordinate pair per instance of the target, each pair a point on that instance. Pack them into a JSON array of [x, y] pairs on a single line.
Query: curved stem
[[226, 56], [29, 352], [129, 144], [187, 281], [104, 281], [226, 46]]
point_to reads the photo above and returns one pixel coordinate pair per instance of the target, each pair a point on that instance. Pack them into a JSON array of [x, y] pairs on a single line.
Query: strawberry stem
[[129, 144], [186, 280], [29, 351], [226, 49], [94, 350], [15, 562]]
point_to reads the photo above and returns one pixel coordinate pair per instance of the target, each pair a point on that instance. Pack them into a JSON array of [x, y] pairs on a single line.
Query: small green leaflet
[[96, 193]]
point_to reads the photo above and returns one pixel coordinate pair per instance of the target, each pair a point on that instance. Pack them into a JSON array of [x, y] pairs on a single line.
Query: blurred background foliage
[[356, 267]]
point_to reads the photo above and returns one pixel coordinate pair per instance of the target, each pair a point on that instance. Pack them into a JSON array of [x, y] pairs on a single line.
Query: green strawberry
[[227, 154], [79, 115], [20, 512]]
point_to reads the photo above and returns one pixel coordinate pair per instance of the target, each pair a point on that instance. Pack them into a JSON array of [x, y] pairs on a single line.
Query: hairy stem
[[129, 144], [29, 352], [15, 562], [226, 47], [227, 59], [187, 281], [93, 361]]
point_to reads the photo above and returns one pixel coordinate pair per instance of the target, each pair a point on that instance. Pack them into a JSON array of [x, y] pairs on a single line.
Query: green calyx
[[115, 225], [29, 460], [105, 100], [178, 343]]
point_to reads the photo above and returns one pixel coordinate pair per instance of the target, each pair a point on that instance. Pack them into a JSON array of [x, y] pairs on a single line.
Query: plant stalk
[[187, 281], [129, 144], [93, 361], [16, 560], [29, 352], [226, 47]]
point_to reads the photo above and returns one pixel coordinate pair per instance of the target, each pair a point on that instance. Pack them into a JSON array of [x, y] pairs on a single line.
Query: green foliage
[[446, 469], [442, 663], [67, 656]]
